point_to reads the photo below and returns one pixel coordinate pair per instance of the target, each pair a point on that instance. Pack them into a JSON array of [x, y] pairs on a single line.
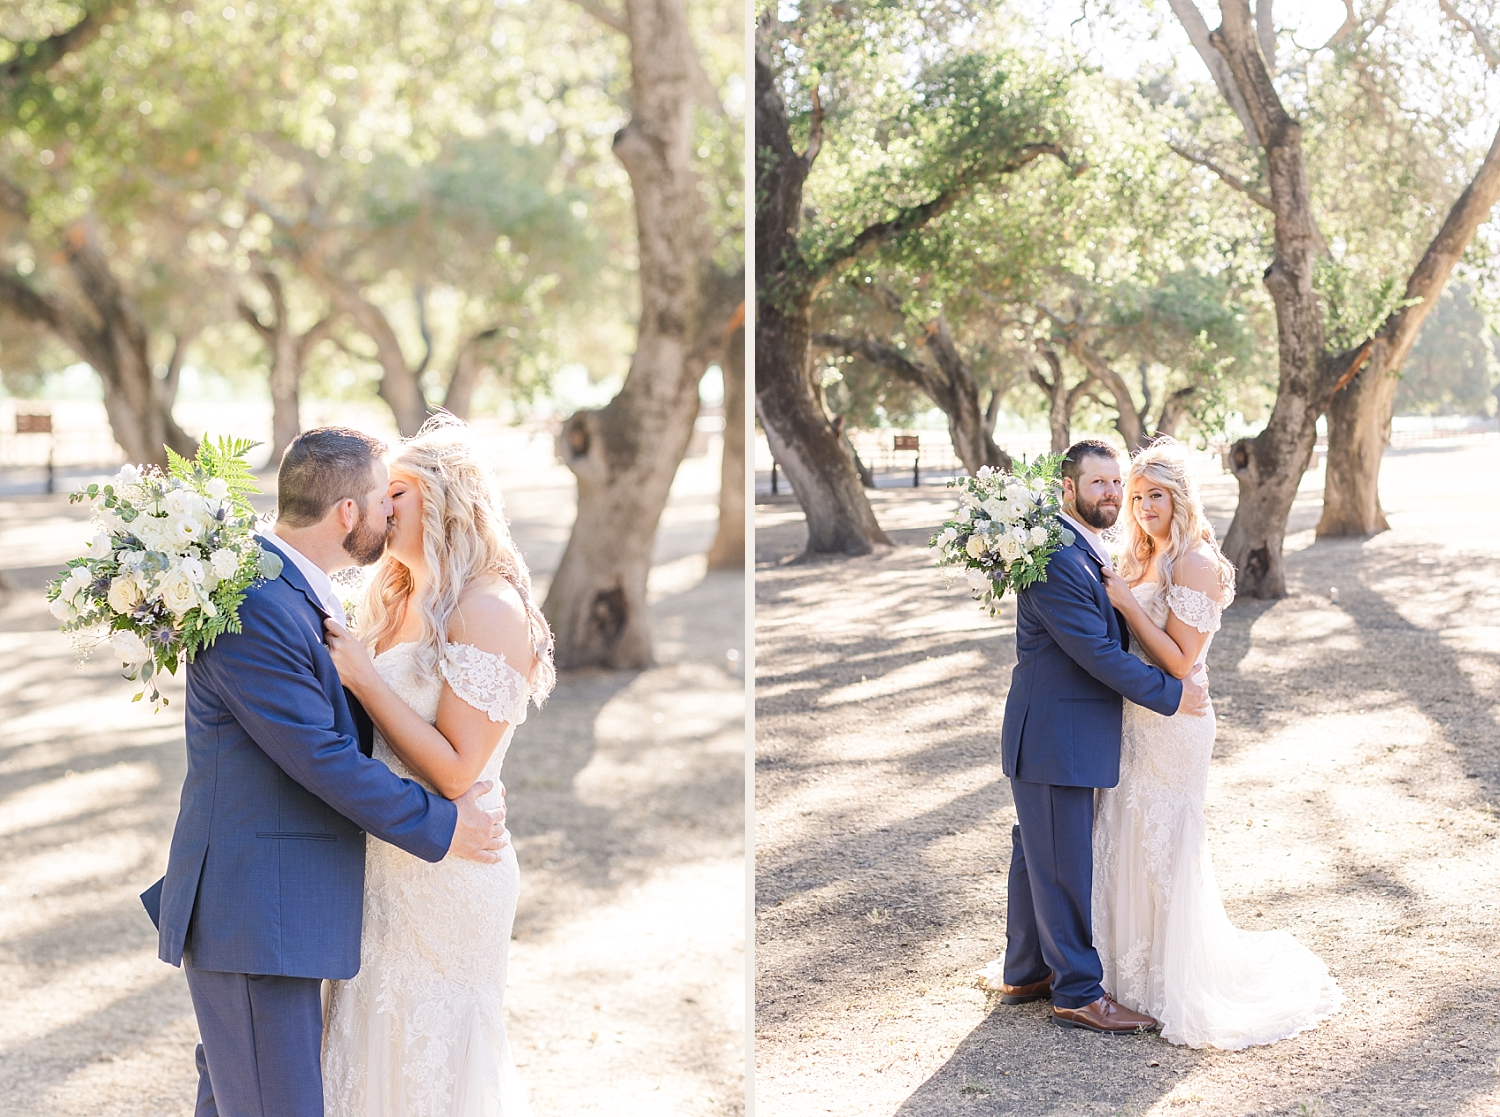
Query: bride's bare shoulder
[[492, 617], [1198, 570]]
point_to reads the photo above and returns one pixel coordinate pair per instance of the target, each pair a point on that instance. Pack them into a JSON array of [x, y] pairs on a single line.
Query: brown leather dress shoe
[[1025, 994], [1104, 1015]]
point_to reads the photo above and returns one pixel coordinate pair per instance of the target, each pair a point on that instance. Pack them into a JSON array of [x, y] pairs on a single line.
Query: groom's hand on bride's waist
[[1194, 699], [480, 834]]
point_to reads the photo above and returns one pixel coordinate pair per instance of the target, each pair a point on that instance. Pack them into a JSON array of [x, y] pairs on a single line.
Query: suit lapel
[[294, 577]]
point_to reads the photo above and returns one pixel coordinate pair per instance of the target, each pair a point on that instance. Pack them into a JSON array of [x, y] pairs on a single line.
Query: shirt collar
[[1092, 538], [317, 580]]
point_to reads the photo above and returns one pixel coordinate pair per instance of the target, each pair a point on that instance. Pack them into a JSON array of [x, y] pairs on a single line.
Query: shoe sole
[[1012, 999], [1138, 1031]]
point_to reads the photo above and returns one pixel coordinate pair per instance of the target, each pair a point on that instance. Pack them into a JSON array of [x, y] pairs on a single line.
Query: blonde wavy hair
[[1165, 464], [465, 537]]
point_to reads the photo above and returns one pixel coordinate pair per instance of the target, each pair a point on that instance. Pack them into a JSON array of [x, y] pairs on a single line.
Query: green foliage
[[1453, 369], [1355, 304]]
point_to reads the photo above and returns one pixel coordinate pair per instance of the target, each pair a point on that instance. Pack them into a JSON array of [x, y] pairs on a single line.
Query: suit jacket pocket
[[294, 837]]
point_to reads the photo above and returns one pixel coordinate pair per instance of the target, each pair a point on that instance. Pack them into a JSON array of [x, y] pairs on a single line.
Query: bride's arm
[[1177, 647], [451, 754]]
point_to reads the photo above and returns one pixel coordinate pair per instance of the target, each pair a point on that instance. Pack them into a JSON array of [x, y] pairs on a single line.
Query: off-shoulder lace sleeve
[[1195, 608], [485, 681]]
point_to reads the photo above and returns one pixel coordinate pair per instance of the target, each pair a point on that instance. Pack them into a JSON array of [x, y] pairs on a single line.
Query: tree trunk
[[626, 453], [728, 549], [1359, 414], [399, 385], [289, 353], [460, 394], [967, 424], [1061, 400], [1270, 466], [811, 454], [950, 386], [821, 472], [109, 333], [1130, 420]]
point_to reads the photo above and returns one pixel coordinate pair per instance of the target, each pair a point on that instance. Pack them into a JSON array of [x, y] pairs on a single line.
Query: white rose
[[975, 546], [61, 609], [130, 648], [153, 532], [995, 508], [124, 594], [964, 515], [128, 475], [177, 593], [217, 488], [184, 503], [984, 471], [193, 569], [1038, 536], [1010, 549], [99, 546], [225, 562], [978, 579]]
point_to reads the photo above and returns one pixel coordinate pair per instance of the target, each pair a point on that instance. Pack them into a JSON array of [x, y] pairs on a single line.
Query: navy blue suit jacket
[[267, 867], [1062, 715]]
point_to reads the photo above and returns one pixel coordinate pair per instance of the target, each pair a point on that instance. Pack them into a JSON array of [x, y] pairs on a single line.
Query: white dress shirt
[[321, 584], [1092, 538]]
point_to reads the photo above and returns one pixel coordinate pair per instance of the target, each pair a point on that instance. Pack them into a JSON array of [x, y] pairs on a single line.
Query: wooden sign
[[907, 442], [33, 424]]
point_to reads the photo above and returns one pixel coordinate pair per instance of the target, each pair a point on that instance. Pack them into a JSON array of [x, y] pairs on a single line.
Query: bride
[[459, 648], [1167, 945]]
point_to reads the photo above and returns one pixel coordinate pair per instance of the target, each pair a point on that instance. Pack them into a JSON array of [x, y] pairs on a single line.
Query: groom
[[1060, 741], [264, 890]]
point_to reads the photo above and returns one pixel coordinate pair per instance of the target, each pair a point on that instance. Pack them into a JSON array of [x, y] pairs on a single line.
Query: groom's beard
[[365, 544], [1099, 515]]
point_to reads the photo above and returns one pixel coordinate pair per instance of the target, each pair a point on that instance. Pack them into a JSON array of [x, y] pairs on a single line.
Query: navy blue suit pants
[[1049, 913], [262, 1039]]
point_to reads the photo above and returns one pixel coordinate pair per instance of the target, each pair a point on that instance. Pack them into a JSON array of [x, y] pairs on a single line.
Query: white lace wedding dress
[[1167, 945], [418, 1032]]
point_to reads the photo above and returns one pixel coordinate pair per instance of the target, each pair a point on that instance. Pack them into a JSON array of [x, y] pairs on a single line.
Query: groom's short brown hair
[[1072, 466], [320, 468]]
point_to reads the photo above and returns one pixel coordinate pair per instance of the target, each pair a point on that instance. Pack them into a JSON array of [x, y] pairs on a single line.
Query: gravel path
[[626, 799], [1352, 800]]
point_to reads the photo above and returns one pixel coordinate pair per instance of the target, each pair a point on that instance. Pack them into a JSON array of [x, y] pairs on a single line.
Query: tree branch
[[815, 129], [1481, 40], [611, 18], [46, 53], [914, 217], [1197, 31], [1265, 31], [1260, 199]]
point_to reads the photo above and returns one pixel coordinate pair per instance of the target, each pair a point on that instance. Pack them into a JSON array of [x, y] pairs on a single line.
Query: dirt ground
[[1352, 800], [626, 799]]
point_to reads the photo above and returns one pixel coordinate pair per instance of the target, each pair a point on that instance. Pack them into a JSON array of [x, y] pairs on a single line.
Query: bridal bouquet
[[171, 558], [1006, 528]]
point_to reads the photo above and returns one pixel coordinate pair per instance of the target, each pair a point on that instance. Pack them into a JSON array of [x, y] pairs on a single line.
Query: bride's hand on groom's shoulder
[[351, 657]]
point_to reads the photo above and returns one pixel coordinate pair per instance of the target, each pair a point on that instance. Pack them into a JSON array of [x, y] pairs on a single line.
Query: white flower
[[177, 593], [975, 546], [77, 578], [978, 579], [193, 569], [154, 532], [996, 509], [124, 594], [948, 536], [62, 609], [217, 488], [184, 530], [130, 648], [184, 503], [964, 515], [225, 562], [128, 475], [1038, 536], [99, 547], [1010, 548], [984, 471]]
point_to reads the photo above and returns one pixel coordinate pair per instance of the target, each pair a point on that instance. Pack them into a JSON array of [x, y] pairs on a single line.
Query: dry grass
[[1353, 800]]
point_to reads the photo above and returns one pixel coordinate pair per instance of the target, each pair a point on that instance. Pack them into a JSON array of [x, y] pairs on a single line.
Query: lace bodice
[[1190, 606], [482, 679]]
